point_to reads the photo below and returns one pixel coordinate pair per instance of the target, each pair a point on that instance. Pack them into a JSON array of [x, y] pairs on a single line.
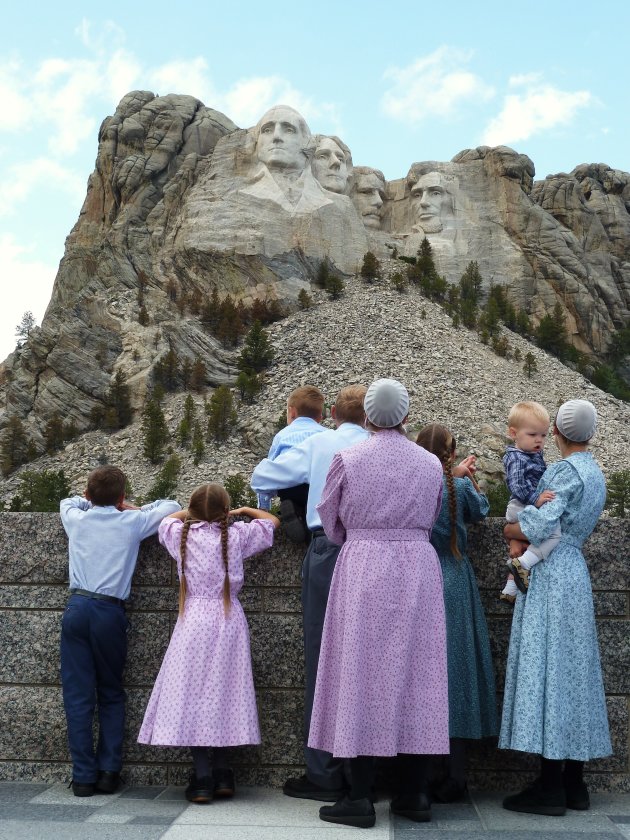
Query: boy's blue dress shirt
[[307, 463], [104, 542], [293, 434]]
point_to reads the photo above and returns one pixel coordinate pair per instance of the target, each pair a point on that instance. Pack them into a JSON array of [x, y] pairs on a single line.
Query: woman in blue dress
[[471, 685], [554, 703]]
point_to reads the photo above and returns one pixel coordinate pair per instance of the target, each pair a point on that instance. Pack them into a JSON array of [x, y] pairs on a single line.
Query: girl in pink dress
[[204, 694]]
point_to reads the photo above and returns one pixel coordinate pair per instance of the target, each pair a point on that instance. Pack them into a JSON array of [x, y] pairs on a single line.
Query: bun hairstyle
[[440, 442], [208, 503]]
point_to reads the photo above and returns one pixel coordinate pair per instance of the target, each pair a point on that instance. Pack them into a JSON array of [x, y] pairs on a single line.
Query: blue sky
[[399, 82]]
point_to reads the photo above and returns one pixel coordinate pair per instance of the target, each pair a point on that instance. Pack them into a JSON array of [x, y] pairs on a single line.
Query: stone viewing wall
[[33, 586]]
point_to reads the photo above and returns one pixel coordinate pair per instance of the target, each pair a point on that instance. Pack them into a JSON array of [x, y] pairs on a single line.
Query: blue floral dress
[[554, 703], [471, 686]]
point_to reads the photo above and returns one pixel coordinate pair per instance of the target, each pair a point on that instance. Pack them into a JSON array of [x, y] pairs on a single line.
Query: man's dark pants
[[93, 654], [317, 571]]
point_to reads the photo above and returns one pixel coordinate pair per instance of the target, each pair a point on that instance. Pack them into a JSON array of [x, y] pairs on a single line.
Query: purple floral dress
[[382, 684], [204, 693]]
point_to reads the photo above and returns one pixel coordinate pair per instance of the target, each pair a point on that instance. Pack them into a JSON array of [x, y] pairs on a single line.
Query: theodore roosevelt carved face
[[368, 192], [282, 138]]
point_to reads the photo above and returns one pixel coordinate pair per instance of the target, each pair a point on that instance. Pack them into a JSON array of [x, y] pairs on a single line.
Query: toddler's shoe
[[521, 575], [199, 790]]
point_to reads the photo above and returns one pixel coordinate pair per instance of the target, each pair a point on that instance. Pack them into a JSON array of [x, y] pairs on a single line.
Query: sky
[[399, 82]]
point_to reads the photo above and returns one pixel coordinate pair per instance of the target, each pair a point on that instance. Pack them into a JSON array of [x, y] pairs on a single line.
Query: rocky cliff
[[182, 202]]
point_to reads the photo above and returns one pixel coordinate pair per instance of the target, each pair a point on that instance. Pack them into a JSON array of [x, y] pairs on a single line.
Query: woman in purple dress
[[382, 679]]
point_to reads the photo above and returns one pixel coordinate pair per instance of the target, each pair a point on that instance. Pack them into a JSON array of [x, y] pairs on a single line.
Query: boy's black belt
[[97, 596]]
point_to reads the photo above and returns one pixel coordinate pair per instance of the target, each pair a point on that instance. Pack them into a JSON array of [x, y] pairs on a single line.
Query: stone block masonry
[[33, 592]]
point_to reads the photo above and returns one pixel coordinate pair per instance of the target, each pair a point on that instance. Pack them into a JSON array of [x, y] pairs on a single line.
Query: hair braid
[[452, 506], [223, 523], [182, 577]]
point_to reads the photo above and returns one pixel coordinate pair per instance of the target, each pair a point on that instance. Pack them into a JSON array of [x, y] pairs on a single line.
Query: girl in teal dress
[[471, 685], [554, 703]]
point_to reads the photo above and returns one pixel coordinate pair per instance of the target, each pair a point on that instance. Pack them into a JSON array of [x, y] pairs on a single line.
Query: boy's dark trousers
[[93, 654]]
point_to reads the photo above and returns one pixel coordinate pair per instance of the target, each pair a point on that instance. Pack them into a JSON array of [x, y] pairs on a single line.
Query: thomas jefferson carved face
[[367, 197], [282, 137], [330, 166], [431, 202]]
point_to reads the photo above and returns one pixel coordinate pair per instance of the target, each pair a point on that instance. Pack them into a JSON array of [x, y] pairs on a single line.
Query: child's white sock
[[510, 588], [529, 559]]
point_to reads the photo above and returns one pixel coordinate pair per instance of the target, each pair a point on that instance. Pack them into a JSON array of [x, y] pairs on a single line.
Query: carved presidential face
[[367, 197], [282, 136], [329, 165], [431, 202]]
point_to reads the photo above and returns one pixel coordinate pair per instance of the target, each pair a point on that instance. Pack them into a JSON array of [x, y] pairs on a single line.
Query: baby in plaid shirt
[[528, 425]]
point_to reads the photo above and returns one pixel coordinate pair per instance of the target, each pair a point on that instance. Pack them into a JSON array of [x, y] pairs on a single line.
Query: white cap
[[577, 420], [386, 403]]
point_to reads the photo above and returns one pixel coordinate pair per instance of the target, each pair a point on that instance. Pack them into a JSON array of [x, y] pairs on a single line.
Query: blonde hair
[[208, 503], [439, 441], [349, 404], [528, 410], [308, 401]]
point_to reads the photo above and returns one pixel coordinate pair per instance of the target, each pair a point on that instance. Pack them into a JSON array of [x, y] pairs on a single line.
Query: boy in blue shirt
[[104, 535], [305, 412]]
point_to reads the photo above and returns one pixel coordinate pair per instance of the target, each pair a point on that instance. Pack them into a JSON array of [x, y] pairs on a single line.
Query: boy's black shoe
[[223, 778], [199, 790], [82, 788], [449, 790], [301, 787], [107, 782], [536, 799], [292, 525], [413, 806], [356, 812]]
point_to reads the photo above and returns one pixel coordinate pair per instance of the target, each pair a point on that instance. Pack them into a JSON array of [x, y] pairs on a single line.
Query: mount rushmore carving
[[182, 198]]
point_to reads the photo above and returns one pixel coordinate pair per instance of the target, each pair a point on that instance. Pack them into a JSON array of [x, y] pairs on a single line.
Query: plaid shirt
[[523, 471]]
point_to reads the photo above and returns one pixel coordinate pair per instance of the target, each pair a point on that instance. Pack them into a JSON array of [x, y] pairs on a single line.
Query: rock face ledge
[[183, 202]]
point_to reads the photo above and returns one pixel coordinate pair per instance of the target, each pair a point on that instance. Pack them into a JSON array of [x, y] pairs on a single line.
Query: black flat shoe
[[199, 790], [577, 796], [537, 800], [107, 782], [82, 788], [355, 812], [301, 787], [223, 782], [449, 790], [413, 806]]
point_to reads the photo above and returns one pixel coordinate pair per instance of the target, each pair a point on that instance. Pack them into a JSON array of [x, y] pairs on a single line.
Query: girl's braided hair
[[208, 503], [438, 440]]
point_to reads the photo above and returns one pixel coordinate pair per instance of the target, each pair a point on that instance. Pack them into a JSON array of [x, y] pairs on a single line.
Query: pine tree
[[15, 445], [399, 282], [53, 433], [323, 273], [166, 371], [239, 491], [23, 329], [529, 365], [335, 286], [371, 268], [618, 493], [166, 480], [198, 446], [186, 373], [41, 491], [118, 398], [248, 385], [221, 414], [304, 299], [551, 333], [257, 353], [184, 430], [154, 431], [198, 375]]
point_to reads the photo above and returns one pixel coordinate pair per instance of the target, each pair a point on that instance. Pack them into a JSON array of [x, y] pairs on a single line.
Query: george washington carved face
[[282, 136]]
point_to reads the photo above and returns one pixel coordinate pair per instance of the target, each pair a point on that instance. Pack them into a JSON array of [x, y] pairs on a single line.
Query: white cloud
[[33, 279], [21, 180], [190, 77], [436, 84], [539, 108]]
